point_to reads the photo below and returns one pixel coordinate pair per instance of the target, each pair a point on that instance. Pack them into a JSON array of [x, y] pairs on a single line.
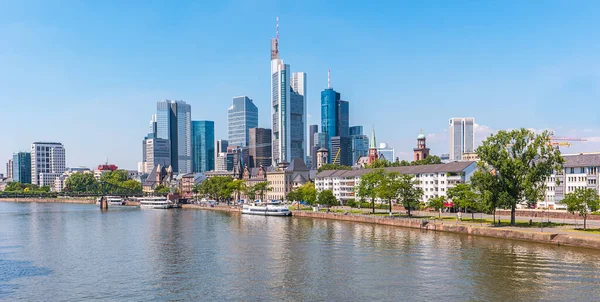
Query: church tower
[[372, 148], [421, 151]]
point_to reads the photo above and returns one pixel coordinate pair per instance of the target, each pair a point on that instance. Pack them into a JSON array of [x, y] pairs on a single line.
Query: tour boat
[[154, 203], [115, 201], [271, 209]]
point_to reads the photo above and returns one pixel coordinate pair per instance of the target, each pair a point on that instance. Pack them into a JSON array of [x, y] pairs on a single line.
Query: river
[[72, 252]]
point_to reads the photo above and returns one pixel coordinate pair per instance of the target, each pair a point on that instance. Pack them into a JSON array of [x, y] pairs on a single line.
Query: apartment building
[[435, 180]]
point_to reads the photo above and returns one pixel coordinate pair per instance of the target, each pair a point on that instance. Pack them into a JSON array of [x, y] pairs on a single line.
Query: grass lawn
[[591, 231]]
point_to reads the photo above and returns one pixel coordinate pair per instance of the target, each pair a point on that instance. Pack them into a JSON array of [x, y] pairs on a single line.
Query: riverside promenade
[[555, 236]]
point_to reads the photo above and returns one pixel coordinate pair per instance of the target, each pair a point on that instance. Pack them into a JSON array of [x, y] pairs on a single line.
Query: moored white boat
[[154, 203], [273, 209], [115, 201]]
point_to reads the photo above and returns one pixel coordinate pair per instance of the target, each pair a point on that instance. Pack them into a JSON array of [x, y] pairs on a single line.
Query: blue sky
[[89, 73]]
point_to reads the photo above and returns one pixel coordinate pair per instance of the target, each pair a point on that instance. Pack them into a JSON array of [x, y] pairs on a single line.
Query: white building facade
[[579, 171], [435, 180], [48, 161]]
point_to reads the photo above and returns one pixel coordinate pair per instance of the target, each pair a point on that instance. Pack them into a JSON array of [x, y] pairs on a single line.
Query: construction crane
[[336, 156], [562, 141]]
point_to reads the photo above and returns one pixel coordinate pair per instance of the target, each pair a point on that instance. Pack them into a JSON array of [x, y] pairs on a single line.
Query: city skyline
[[484, 80]]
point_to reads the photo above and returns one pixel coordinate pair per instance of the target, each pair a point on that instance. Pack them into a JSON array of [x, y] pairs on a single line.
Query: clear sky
[[89, 73]]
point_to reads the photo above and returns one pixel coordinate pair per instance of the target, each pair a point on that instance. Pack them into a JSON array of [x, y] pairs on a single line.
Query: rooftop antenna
[[277, 28], [328, 78]]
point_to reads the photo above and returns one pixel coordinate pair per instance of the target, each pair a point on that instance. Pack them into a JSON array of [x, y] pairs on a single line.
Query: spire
[[328, 78], [373, 144], [277, 28]]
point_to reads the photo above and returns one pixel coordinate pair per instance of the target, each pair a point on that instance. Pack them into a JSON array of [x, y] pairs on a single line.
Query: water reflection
[[76, 252]]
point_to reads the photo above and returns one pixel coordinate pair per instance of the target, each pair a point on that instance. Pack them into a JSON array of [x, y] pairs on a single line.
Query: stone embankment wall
[[489, 231], [221, 209], [50, 200]]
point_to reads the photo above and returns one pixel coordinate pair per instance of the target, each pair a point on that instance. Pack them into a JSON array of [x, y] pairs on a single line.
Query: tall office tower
[[153, 126], [9, 169], [461, 137], [280, 102], [174, 122], [260, 147], [312, 130], [298, 115], [221, 147], [48, 161], [241, 116], [356, 130], [341, 150], [21, 170], [203, 146], [157, 151], [334, 115]]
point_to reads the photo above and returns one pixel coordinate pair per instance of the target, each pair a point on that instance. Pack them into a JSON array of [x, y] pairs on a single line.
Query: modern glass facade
[[356, 130], [343, 118], [462, 137], [203, 146], [21, 168], [280, 102], [174, 122], [329, 98], [242, 115], [360, 147]]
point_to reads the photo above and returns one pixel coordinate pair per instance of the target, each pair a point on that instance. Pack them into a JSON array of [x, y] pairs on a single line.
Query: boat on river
[[155, 203], [270, 209]]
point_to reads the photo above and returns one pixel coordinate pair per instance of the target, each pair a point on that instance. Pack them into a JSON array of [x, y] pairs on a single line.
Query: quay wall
[[488, 231]]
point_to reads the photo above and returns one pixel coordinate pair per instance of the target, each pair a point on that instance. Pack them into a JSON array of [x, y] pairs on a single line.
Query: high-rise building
[[386, 152], [174, 122], [260, 147], [312, 148], [221, 146], [461, 137], [203, 146], [343, 118], [360, 147], [329, 112], [241, 116], [356, 130], [341, 150], [224, 162], [298, 115], [21, 170], [48, 161], [9, 169], [157, 151], [288, 111]]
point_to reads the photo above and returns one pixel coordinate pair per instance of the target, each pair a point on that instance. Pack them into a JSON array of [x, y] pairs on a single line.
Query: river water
[[71, 252]]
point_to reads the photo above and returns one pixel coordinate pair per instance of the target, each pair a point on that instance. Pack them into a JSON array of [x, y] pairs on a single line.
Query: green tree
[[261, 188], [82, 183], [114, 177], [326, 167], [327, 198], [133, 186], [379, 163], [429, 160], [582, 201], [409, 195], [14, 186], [160, 189], [438, 204], [309, 193], [237, 186], [367, 187], [389, 187], [487, 185], [463, 197], [522, 160], [295, 195]]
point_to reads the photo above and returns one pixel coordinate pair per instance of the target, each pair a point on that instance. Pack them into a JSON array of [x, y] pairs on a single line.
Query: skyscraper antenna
[[328, 78], [277, 28]]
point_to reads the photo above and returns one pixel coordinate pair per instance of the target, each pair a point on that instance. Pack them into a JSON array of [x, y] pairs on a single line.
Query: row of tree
[[308, 193], [114, 182], [383, 163], [389, 186], [223, 188], [17, 187]]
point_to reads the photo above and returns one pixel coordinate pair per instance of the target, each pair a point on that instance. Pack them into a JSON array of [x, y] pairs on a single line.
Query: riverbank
[[553, 237]]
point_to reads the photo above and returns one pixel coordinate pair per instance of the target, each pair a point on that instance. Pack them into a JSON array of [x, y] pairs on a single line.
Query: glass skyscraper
[[241, 116], [462, 137], [329, 99], [203, 146], [174, 122], [21, 168]]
